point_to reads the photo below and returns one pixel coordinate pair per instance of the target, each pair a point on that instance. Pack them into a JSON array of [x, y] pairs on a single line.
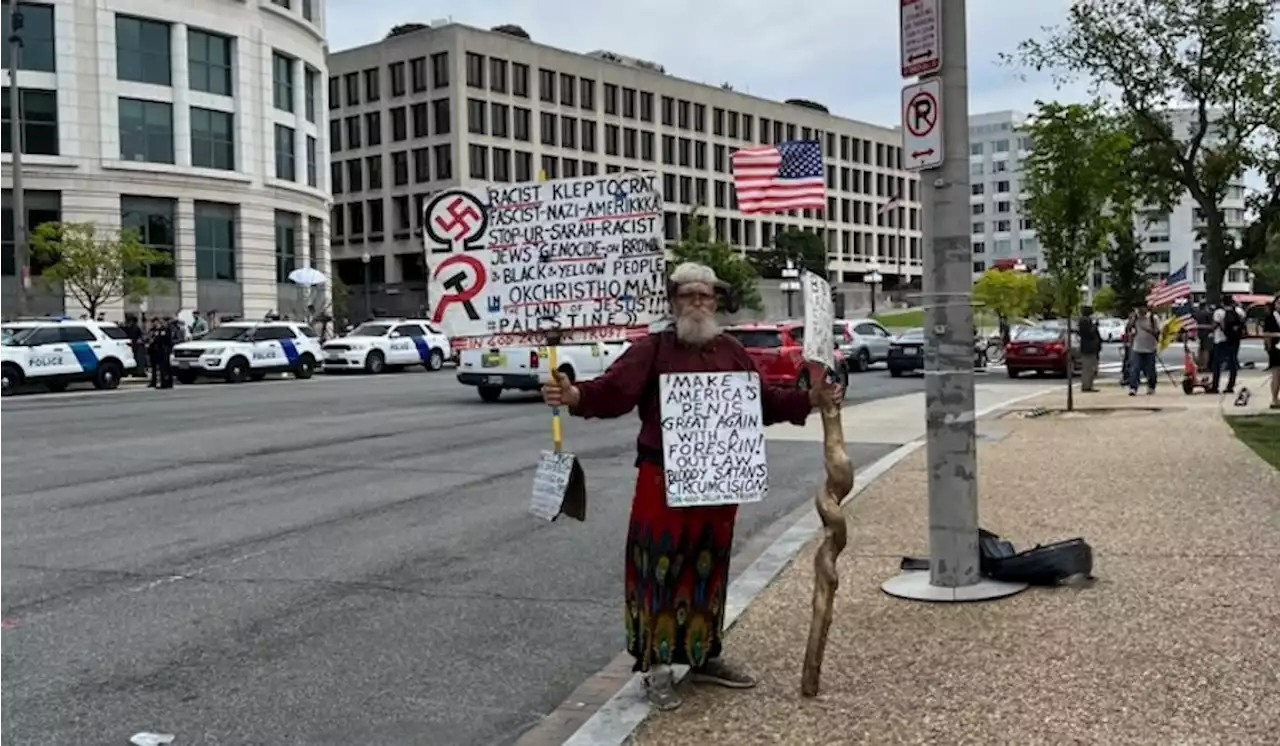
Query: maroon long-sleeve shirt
[[632, 382]]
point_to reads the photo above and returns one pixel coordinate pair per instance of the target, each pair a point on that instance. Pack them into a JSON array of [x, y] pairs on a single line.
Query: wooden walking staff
[[819, 346]]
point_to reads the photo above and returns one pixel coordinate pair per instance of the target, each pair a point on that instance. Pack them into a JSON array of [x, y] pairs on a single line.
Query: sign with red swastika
[[515, 261]]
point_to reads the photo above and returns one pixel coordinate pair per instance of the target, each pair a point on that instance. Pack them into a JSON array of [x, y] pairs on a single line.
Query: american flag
[[786, 176], [1177, 286], [1187, 318], [886, 207]]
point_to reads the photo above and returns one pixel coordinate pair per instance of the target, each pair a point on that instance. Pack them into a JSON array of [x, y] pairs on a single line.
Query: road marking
[[152, 584]]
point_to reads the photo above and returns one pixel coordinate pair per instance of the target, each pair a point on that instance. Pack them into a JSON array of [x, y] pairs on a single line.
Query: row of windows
[[345, 89], [350, 176], [438, 117], [999, 146], [1003, 225], [307, 7]]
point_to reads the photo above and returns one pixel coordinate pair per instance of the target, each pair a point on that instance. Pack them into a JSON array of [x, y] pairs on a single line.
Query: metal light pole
[[790, 284], [20, 260], [873, 278], [368, 297], [943, 160]]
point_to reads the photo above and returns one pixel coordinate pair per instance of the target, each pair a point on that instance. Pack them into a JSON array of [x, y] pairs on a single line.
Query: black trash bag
[[1050, 564]]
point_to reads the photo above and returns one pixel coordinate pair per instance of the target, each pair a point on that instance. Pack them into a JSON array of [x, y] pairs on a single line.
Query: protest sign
[[584, 256], [712, 438], [819, 321], [558, 487]]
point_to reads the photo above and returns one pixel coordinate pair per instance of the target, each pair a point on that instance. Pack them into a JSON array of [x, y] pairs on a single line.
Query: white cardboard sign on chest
[[712, 438]]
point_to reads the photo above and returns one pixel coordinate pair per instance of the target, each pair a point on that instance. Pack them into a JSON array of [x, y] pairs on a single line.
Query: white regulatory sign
[[922, 125], [921, 34]]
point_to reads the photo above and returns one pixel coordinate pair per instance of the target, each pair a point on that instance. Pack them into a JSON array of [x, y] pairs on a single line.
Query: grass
[[1260, 432], [915, 317]]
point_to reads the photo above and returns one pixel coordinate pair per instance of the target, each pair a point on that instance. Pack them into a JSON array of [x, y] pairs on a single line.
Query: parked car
[[906, 353], [1112, 330], [54, 353], [382, 344], [526, 368], [1042, 349], [778, 350], [861, 342]]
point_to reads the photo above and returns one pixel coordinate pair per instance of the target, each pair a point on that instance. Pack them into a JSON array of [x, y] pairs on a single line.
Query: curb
[[618, 718]]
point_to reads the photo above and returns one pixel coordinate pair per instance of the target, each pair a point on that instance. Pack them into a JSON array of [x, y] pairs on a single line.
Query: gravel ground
[[1177, 642]]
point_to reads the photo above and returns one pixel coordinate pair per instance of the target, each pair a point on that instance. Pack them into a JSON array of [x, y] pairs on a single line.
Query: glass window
[[142, 51], [440, 116], [215, 241], [38, 42], [308, 12], [39, 121], [153, 219], [444, 162], [42, 207], [440, 70], [418, 74], [285, 156], [372, 91], [282, 81], [286, 244], [312, 177], [312, 79], [146, 131], [213, 143], [396, 70], [209, 61]]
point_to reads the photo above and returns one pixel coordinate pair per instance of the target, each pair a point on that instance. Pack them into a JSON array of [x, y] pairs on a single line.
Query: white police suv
[[56, 352], [240, 350], [377, 345]]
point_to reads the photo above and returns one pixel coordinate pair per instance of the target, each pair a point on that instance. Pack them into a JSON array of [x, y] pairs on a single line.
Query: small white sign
[[712, 438], [550, 484], [819, 321], [921, 34], [922, 125]]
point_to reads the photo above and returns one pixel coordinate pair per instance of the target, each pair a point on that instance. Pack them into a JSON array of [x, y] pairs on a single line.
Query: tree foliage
[[698, 245], [511, 30], [96, 269], [1104, 301], [805, 250], [406, 28], [1069, 179], [1007, 293], [1221, 59], [1126, 269]]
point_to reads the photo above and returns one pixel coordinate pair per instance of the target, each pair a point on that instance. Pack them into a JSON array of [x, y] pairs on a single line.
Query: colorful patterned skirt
[[677, 576]]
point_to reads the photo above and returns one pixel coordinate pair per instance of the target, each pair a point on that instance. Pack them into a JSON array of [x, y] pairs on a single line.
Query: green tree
[[1126, 269], [96, 269], [1005, 293], [1069, 180], [804, 248], [1217, 58], [1104, 301], [698, 245]]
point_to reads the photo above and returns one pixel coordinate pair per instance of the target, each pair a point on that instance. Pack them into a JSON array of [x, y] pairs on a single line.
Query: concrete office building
[[198, 123], [1001, 232], [454, 105]]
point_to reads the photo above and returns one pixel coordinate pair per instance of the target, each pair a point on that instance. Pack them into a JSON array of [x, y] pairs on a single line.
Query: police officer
[[159, 346]]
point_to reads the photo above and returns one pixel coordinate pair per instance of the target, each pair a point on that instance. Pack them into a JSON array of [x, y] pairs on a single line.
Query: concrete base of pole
[[914, 585]]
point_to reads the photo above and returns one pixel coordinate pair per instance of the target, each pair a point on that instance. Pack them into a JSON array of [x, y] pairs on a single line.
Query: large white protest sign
[[819, 320], [712, 438], [584, 256]]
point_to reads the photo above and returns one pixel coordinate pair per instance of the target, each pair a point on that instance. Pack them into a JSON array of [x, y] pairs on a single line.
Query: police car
[[375, 346], [240, 351], [57, 352]]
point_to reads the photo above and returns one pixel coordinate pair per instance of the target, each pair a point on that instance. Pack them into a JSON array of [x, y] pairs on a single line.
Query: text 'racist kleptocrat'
[[713, 438]]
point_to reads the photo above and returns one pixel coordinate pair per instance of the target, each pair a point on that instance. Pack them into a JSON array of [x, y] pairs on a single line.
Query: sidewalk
[[1178, 641]]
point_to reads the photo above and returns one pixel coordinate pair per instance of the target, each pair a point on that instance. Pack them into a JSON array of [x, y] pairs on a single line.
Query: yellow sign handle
[[557, 436]]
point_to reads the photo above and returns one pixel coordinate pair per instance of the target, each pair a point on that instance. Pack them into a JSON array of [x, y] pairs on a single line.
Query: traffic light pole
[[19, 203]]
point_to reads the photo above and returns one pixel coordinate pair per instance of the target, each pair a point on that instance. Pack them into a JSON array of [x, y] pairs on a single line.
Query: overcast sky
[[841, 53]]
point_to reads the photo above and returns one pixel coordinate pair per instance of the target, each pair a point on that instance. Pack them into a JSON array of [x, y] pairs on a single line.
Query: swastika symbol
[[456, 217]]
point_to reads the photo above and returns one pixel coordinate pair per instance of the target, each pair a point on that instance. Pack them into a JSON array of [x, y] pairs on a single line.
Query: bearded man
[[677, 559]]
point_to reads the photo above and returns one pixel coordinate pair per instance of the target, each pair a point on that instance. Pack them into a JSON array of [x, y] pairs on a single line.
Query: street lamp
[[873, 278], [790, 283], [368, 297]]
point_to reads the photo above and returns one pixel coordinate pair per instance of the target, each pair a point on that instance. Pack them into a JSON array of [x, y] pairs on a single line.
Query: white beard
[[696, 331]]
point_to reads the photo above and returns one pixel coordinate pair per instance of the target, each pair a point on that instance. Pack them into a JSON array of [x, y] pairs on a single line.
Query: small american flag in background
[[786, 176], [1177, 286], [886, 207]]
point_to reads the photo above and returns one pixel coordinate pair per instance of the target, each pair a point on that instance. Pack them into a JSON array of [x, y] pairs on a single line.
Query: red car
[[1042, 349], [778, 350]]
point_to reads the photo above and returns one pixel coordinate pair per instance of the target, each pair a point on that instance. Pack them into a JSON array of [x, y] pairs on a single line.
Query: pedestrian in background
[[1228, 330], [1090, 349], [137, 344], [199, 327], [159, 347], [1126, 340], [1144, 341], [1271, 341]]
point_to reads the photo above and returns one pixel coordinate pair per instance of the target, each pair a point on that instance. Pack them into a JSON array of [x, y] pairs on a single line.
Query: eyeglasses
[[696, 297]]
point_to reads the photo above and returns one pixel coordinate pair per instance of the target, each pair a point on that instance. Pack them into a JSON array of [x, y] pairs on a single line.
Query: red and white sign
[[921, 30], [922, 125]]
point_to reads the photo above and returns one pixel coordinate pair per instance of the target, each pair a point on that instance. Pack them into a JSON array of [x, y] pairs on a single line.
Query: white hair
[[693, 272]]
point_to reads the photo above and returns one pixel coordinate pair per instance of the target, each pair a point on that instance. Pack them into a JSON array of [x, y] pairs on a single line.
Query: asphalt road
[[333, 561]]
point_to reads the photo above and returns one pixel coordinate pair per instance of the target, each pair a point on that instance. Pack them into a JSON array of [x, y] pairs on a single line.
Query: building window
[[497, 75], [376, 221], [372, 91], [142, 51], [38, 41], [146, 131], [547, 85], [209, 61], [286, 244], [475, 70], [501, 164], [153, 220], [353, 133], [41, 207], [610, 98], [520, 124], [524, 166], [549, 167], [418, 74], [351, 87], [335, 135], [498, 120], [312, 176], [587, 94], [476, 116], [440, 117], [355, 177], [444, 162], [519, 80], [215, 241], [421, 166], [399, 168], [355, 216], [547, 128], [478, 155], [335, 88], [397, 78], [282, 76], [285, 157], [39, 121], [311, 78], [335, 177], [373, 128], [213, 142], [308, 12], [373, 164], [566, 89], [440, 69]]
